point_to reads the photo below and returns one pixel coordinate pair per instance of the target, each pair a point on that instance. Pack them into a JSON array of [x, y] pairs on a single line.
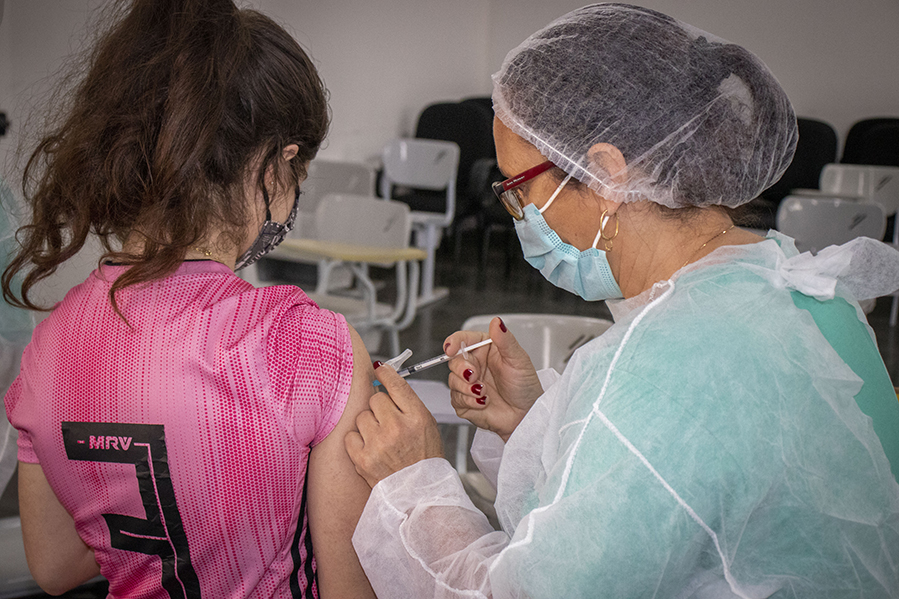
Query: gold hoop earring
[[603, 221]]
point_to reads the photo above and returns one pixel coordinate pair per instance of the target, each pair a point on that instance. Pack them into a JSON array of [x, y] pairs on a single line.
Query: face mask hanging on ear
[[586, 273], [271, 234]]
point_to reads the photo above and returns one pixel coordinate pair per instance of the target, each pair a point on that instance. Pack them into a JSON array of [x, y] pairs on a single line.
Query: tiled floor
[[521, 289]]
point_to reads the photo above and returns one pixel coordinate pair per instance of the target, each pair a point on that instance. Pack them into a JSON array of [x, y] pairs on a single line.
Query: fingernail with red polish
[[502, 326], [376, 364], [481, 400], [446, 346], [467, 374], [477, 388]]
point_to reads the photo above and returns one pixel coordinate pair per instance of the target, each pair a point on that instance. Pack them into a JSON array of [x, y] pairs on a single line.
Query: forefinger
[[453, 343]]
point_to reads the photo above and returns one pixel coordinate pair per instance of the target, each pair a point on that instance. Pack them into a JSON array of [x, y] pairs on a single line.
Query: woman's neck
[[653, 246], [203, 250]]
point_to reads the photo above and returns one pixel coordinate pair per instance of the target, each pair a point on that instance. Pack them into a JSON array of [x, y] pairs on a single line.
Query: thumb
[[505, 342], [398, 389]]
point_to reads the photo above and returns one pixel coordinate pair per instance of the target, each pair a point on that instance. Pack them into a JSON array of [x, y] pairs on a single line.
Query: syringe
[[404, 372]]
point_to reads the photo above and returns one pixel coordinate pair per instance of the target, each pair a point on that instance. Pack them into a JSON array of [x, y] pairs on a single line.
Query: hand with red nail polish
[[497, 385]]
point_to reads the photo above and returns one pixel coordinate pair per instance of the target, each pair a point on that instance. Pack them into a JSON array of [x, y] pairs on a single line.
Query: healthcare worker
[[180, 431], [714, 442]]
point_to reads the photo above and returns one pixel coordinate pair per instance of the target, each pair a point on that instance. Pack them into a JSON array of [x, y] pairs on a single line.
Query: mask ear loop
[[555, 193], [268, 212], [603, 221]]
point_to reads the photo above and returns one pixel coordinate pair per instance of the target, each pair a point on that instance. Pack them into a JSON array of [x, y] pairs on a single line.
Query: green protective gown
[[709, 444]]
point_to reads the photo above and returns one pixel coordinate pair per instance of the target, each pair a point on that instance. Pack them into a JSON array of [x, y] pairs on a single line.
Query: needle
[[440, 359]]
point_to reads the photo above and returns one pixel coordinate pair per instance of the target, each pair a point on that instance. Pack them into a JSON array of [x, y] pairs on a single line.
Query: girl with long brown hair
[[181, 432]]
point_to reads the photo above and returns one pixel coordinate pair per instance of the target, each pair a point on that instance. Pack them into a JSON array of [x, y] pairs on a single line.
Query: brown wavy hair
[[178, 102]]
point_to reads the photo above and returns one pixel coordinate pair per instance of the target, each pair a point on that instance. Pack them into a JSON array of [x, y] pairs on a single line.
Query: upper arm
[[337, 494], [57, 557]]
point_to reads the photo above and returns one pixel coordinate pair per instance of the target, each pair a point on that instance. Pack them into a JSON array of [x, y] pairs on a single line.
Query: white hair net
[[699, 121]]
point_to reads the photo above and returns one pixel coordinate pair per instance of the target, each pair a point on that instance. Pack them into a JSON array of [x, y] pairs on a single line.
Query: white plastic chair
[[816, 222], [860, 182], [549, 339], [879, 184], [869, 184], [322, 177], [358, 231], [424, 164], [329, 176]]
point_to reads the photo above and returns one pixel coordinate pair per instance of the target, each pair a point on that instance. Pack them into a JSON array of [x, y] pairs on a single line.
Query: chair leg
[[484, 258], [511, 244], [429, 244], [894, 310], [394, 337]]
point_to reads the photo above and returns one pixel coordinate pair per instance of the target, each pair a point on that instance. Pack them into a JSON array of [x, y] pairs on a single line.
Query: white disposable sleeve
[[487, 447], [487, 453], [420, 536]]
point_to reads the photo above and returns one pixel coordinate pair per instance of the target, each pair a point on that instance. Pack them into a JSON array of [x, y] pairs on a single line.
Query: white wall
[[838, 60], [384, 60]]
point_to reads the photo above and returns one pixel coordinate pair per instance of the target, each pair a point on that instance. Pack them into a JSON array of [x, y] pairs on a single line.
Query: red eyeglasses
[[508, 193]]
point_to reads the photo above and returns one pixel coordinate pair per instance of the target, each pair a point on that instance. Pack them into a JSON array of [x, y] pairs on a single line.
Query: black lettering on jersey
[[162, 531]]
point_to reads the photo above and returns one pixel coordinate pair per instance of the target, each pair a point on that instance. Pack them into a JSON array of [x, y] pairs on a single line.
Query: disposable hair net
[[698, 120], [15, 332]]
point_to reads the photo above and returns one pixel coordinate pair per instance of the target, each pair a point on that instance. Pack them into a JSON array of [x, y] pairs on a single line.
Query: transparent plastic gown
[[707, 445]]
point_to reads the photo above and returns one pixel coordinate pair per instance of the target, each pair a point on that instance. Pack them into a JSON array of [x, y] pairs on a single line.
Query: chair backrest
[[420, 163], [362, 220], [469, 125], [818, 222], [329, 176], [873, 141], [878, 184], [549, 339], [485, 102], [817, 146]]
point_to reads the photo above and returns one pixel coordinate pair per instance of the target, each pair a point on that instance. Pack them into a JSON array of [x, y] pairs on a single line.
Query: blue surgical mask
[[586, 273], [271, 234]]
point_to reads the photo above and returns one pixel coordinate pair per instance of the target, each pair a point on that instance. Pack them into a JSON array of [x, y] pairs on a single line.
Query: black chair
[[470, 125], [817, 146], [485, 102], [873, 141], [492, 219], [466, 124]]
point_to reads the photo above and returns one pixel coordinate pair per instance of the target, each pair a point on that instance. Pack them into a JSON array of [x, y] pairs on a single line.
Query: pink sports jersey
[[179, 440]]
